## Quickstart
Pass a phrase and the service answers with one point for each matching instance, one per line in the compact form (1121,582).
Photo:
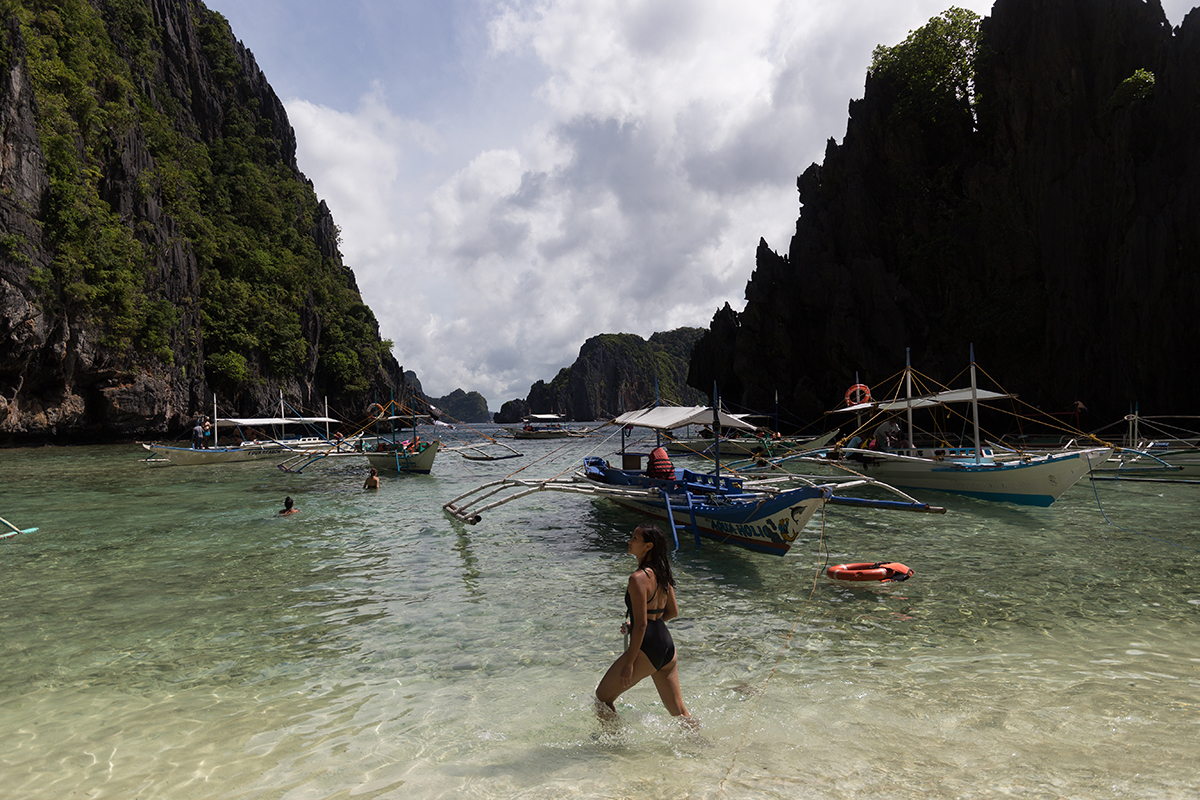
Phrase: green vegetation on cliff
(462,406)
(618,372)
(84,100)
(934,68)
(267,291)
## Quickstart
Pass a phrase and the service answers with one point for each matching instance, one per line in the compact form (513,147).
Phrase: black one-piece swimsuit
(656,643)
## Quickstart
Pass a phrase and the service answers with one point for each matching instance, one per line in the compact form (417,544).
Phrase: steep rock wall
(58,378)
(1058,234)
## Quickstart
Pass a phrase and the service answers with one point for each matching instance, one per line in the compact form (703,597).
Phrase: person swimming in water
(288,508)
(649,602)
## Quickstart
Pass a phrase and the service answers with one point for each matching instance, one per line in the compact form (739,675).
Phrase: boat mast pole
(908,390)
(214,420)
(717,427)
(857,414)
(975,406)
(326,417)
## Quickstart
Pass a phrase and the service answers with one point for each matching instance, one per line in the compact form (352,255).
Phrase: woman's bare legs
(666,680)
(610,687)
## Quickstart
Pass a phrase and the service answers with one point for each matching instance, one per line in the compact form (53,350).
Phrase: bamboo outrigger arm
(466,511)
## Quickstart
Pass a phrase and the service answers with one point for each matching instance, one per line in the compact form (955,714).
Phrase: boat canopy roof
(544,417)
(928,400)
(266,422)
(665,418)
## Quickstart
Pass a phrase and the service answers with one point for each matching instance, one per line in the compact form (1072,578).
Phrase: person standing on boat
(372,481)
(198,433)
(649,602)
(887,434)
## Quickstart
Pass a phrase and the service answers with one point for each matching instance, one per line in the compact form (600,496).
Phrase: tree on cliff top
(934,68)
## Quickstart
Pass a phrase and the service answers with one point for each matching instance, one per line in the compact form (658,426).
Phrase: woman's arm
(672,610)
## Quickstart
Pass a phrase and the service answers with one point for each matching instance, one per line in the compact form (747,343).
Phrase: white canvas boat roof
(266,422)
(665,418)
(544,417)
(928,400)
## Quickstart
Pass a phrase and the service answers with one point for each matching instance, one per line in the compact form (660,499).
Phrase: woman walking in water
(649,602)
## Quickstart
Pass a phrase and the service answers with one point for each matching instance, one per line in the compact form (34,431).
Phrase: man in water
(288,508)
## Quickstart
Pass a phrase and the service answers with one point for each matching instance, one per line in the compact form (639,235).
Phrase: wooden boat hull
(401,462)
(517,433)
(1169,464)
(186,456)
(745,447)
(717,511)
(1037,481)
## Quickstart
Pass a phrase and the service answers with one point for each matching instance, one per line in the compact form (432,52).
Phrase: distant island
(615,372)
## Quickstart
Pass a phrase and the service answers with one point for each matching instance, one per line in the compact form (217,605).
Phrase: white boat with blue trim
(974,471)
(260,438)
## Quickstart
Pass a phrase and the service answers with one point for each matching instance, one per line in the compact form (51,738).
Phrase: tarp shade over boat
(544,418)
(665,418)
(266,422)
(928,400)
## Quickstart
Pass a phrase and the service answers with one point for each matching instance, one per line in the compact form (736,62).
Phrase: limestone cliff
(158,243)
(615,372)
(1054,224)
(461,406)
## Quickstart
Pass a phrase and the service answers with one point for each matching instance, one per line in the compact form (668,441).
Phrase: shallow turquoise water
(164,635)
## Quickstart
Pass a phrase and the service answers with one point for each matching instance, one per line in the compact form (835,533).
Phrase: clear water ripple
(165,635)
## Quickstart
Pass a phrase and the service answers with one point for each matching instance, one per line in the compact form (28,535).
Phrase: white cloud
(625,191)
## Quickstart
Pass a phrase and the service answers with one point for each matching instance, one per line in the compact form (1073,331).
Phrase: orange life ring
(879,571)
(858,393)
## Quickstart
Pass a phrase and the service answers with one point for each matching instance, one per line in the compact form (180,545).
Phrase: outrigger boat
(975,471)
(1154,449)
(746,445)
(481,451)
(410,456)
(248,449)
(544,426)
(391,454)
(762,516)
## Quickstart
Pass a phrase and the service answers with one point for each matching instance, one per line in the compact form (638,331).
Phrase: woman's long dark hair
(656,560)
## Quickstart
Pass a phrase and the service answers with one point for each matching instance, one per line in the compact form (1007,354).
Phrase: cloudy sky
(512,177)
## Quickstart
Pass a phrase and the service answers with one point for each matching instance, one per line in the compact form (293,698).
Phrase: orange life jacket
(660,465)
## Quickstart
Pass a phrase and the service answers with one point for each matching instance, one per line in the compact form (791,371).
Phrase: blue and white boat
(764,516)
